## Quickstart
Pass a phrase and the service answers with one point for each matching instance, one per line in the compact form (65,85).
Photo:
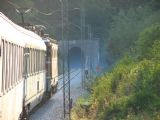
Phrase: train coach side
(51,65)
(34,72)
(22,70)
(11,70)
(23,78)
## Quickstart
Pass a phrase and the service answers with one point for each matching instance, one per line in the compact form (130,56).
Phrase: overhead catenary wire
(47,14)
(70,80)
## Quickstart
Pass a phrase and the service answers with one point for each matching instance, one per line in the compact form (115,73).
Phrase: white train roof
(18,35)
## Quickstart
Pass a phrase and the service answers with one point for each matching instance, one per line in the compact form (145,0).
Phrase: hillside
(131,89)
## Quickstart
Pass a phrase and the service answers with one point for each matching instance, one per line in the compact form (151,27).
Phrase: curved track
(53,108)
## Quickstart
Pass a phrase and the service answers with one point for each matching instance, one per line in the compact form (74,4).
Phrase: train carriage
(51,65)
(28,69)
(11,70)
(34,72)
(22,69)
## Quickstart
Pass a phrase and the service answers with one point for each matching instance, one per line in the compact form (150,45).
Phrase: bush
(148,40)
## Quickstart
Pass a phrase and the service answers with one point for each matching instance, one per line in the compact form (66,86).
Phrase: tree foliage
(148,43)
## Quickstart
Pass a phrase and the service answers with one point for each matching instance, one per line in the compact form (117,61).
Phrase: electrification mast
(67,102)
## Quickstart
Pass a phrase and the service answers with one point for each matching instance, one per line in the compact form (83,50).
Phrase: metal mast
(63,59)
(66,79)
(83,41)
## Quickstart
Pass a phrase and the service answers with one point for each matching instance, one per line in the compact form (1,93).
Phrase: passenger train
(28,69)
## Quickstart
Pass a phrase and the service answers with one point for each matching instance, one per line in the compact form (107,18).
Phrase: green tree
(148,42)
(125,30)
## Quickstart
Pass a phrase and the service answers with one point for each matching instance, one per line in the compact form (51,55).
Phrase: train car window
(34,61)
(19,59)
(2,50)
(31,57)
(20,62)
(53,52)
(44,60)
(30,62)
(10,67)
(27,59)
(56,53)
(40,60)
(14,64)
(22,67)
(37,86)
(17,64)
(11,64)
(7,65)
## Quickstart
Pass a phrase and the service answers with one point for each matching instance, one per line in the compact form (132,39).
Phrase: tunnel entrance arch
(88,48)
(75,57)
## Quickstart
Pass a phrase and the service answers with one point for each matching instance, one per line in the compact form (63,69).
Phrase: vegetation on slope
(131,90)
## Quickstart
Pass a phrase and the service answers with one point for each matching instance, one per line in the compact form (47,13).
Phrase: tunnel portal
(75,57)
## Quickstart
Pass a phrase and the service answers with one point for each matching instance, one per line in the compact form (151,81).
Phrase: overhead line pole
(83,42)
(67,87)
(81,23)
(69,82)
(63,58)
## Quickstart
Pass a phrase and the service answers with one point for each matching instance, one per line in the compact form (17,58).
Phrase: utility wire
(68,80)
(43,13)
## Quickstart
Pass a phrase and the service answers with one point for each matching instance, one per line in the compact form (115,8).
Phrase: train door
(48,68)
(25,70)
